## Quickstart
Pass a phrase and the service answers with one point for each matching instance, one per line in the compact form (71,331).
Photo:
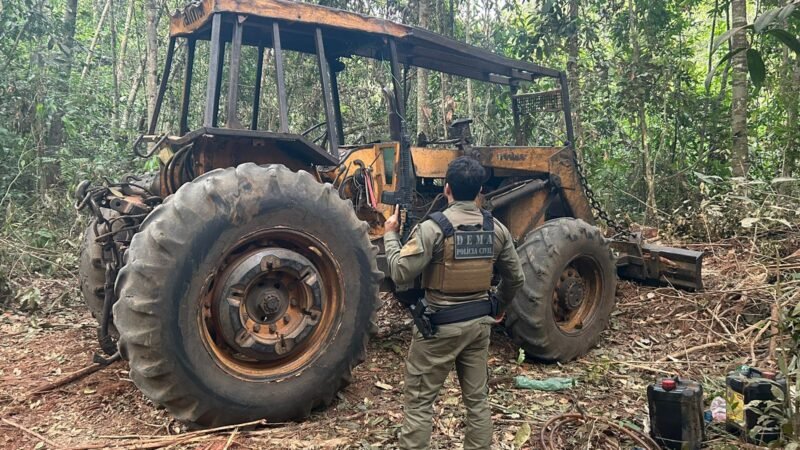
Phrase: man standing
(455,251)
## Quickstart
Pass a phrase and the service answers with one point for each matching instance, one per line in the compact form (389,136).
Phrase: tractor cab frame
(332,35)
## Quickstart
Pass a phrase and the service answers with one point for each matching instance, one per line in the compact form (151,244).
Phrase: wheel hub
(570,290)
(270,302)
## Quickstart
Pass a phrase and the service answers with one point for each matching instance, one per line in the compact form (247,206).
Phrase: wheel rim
(273,304)
(577,294)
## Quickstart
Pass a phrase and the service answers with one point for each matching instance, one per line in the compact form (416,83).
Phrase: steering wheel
(322,138)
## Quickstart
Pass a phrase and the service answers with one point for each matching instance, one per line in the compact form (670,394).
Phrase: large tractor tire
(91,272)
(569,291)
(247,294)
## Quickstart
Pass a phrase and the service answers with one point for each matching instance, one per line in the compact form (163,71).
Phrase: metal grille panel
(549,101)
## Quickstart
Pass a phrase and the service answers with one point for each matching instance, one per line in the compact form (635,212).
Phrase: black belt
(462,313)
(427,321)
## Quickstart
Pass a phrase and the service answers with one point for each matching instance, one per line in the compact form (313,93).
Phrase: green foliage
(769,23)
(65,116)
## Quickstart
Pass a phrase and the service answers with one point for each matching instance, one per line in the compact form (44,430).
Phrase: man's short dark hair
(465,176)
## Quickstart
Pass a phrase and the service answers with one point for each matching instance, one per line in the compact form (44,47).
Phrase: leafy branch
(775,23)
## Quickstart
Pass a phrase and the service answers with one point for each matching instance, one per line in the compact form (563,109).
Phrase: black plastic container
(676,413)
(750,385)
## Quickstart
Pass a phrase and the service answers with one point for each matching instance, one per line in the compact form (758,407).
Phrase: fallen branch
(753,342)
(774,319)
(691,350)
(230,439)
(71,378)
(30,432)
(163,441)
(645,368)
(708,345)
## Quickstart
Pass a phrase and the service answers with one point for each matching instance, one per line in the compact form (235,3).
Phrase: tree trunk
(467,26)
(132,93)
(739,152)
(447,104)
(96,37)
(649,177)
(114,78)
(423,110)
(573,76)
(792,95)
(55,134)
(152,15)
(123,45)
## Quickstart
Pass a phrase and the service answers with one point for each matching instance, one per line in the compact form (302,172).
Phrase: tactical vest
(466,264)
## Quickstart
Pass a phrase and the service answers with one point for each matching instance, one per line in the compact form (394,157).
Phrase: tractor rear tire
(569,291)
(91,272)
(227,225)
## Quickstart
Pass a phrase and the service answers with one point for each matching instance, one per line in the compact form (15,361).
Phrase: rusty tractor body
(241,281)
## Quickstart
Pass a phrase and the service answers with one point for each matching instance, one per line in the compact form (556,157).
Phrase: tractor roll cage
(329,34)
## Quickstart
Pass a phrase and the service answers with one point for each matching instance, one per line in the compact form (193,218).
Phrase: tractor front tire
(247,294)
(92,272)
(569,291)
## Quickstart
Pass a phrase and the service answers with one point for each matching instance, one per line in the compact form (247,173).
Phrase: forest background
(685,110)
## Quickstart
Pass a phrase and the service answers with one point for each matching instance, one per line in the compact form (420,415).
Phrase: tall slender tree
(573,73)
(739,150)
(423,109)
(55,135)
(641,110)
(152,15)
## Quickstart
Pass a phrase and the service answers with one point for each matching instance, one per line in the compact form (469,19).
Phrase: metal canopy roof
(348,34)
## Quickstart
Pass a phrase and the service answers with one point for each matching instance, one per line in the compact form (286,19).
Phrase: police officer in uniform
(455,252)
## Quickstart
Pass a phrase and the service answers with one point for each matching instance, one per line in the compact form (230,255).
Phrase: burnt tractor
(241,281)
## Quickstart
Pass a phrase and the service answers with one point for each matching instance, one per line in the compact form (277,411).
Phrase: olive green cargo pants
(429,362)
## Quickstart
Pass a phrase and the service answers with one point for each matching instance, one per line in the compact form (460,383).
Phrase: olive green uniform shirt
(426,242)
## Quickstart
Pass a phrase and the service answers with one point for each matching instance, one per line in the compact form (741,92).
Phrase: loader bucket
(654,264)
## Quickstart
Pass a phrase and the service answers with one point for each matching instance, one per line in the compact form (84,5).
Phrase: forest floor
(653,331)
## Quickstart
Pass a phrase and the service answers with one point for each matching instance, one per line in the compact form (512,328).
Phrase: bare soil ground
(653,331)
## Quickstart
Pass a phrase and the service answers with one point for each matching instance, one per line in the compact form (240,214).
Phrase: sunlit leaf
(765,19)
(522,436)
(748,222)
(727,35)
(787,11)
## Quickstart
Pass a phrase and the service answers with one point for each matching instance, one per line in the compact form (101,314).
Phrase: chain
(621,229)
